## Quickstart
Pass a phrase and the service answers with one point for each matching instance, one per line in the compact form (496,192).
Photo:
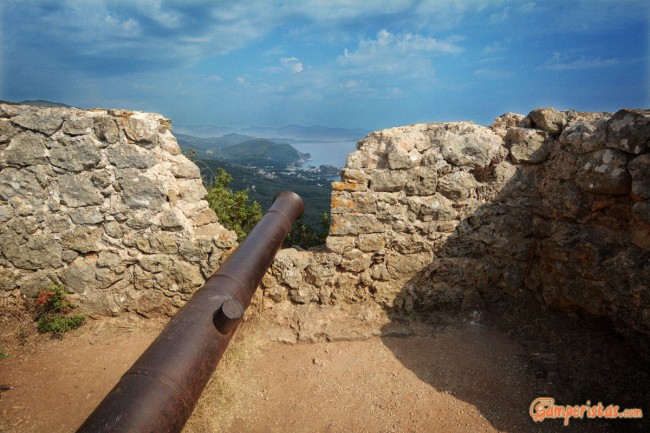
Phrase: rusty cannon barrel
(158,393)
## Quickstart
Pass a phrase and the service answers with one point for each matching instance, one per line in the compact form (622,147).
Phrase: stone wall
(442,217)
(104,202)
(448,216)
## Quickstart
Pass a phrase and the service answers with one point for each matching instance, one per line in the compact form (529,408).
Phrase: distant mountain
(244,150)
(202,131)
(37,103)
(210,144)
(261,152)
(307,133)
(289,133)
(234,138)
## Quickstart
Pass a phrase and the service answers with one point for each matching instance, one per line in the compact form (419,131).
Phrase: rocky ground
(458,377)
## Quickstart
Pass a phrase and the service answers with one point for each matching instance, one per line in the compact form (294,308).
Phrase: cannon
(158,393)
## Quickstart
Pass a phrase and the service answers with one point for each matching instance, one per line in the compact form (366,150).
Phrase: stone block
(349,186)
(398,158)
(7,130)
(421,181)
(76,154)
(141,128)
(25,149)
(604,171)
(548,119)
(406,266)
(628,130)
(371,242)
(31,284)
(126,155)
(78,191)
(527,145)
(642,210)
(35,252)
(339,244)
(387,181)
(469,145)
(141,192)
(78,123)
(86,215)
(83,239)
(639,169)
(358,176)
(108,259)
(106,129)
(354,224)
(186,170)
(356,261)
(79,276)
(456,185)
(44,120)
(163,242)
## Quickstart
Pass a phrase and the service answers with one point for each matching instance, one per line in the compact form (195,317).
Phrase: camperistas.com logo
(543,408)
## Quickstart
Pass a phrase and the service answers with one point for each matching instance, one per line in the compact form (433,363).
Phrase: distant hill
(307,133)
(234,138)
(37,103)
(289,133)
(210,145)
(261,152)
(244,150)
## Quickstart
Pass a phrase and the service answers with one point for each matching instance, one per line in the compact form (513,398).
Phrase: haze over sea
(326,153)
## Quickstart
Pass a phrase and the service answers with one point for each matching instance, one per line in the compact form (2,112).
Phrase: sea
(333,153)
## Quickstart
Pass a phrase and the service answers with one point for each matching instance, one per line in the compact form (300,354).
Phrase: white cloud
(561,63)
(396,56)
(528,7)
(291,64)
(493,73)
(492,48)
(215,78)
(129,25)
(387,48)
(351,85)
(500,16)
(406,43)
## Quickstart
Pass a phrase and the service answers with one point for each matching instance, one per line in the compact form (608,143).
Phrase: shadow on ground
(536,276)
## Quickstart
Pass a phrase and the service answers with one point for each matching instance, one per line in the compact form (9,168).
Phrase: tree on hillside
(303,236)
(232,208)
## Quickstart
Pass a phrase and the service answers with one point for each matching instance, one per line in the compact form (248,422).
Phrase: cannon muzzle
(158,393)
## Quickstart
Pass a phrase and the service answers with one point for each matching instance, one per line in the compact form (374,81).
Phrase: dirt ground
(454,378)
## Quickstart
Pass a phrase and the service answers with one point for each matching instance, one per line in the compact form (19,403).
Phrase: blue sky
(341,63)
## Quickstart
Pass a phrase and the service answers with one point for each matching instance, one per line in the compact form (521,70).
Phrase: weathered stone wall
(104,202)
(426,217)
(446,216)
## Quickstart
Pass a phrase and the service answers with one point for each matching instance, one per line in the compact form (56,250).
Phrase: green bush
(303,236)
(232,208)
(53,312)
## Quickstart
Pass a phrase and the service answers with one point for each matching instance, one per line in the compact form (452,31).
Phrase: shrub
(232,208)
(303,236)
(53,312)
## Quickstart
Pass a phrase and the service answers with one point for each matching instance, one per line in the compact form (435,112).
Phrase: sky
(339,63)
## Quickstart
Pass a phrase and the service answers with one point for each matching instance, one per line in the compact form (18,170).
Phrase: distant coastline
(326,153)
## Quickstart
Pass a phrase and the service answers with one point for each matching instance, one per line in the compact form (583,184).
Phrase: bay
(326,152)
